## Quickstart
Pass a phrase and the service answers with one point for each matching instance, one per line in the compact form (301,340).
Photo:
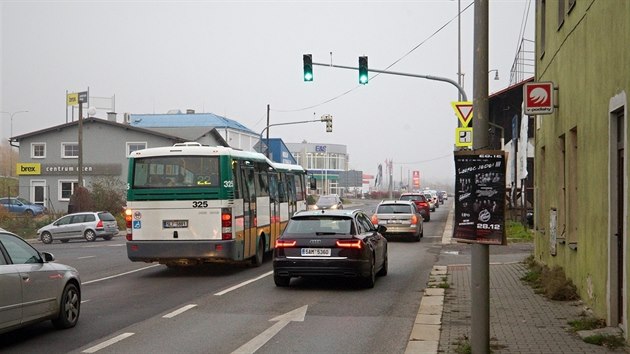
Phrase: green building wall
(588,60)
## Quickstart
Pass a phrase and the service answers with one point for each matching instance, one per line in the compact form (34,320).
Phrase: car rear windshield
(413,197)
(393,209)
(318,225)
(106,217)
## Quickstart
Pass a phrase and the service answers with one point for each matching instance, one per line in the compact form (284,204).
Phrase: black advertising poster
(480,197)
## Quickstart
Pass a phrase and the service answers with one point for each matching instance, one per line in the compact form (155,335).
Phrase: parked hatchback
(34,288)
(400,217)
(87,225)
(21,206)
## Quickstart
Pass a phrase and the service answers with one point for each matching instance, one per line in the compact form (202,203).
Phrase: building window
(572,186)
(560,13)
(131,147)
(38,150)
(66,188)
(561,190)
(69,150)
(543,20)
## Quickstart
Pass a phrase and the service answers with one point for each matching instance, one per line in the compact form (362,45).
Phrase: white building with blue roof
(205,128)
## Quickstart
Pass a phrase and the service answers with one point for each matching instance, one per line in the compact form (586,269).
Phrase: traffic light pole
(428,77)
(276,124)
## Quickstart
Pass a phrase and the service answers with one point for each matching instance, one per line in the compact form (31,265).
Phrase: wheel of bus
(257,260)
(90,235)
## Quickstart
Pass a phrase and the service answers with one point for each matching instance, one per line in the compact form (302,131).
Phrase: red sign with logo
(416,179)
(538,98)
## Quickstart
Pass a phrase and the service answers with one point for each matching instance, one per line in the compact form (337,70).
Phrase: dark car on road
(34,288)
(330,201)
(422,204)
(330,243)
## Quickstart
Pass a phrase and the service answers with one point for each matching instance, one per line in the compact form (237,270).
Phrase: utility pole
(267,153)
(480,260)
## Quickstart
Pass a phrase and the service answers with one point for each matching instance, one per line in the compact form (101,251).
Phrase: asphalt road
(146,308)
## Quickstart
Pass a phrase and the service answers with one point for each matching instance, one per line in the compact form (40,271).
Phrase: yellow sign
(463,137)
(464,111)
(72,99)
(22,169)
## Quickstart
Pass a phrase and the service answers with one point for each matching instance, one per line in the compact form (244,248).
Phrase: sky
(233,58)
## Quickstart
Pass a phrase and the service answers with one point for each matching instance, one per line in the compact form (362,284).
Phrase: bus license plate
(315,252)
(174,224)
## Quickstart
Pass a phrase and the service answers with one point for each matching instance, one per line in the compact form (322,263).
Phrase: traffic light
(329,124)
(308,67)
(363,70)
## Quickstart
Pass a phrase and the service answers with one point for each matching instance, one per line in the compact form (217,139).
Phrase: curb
(425,334)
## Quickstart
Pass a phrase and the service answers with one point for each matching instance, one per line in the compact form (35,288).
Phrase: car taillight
(285,243)
(128,225)
(374,219)
(414,219)
(226,224)
(99,224)
(358,244)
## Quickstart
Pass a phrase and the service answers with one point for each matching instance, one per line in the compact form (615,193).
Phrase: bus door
(249,210)
(291,194)
(274,206)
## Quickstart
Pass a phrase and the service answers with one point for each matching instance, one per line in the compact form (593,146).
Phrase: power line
(392,64)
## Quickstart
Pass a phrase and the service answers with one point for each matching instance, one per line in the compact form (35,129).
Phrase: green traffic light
(308,67)
(363,70)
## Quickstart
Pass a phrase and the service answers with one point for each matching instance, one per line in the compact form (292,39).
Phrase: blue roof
(185,120)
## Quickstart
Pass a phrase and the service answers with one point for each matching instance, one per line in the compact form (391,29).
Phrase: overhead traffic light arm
(428,77)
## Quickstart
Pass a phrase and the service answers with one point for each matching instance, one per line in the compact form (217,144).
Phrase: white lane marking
(107,343)
(86,257)
(243,284)
(177,312)
(84,301)
(118,275)
(119,245)
(253,345)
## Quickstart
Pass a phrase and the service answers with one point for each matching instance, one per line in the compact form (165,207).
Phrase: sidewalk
(520,320)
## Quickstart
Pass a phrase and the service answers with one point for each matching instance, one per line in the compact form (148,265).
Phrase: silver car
(400,217)
(87,225)
(33,288)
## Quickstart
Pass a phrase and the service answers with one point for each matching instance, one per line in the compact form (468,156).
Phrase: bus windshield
(176,172)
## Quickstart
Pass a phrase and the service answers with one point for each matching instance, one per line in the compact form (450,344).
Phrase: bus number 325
(200,204)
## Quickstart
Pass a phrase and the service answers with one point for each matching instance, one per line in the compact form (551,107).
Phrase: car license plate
(174,224)
(394,222)
(315,252)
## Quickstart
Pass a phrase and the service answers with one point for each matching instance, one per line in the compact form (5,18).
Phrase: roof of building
(186,120)
(96,120)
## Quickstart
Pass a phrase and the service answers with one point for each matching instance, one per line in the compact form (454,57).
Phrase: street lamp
(10,137)
(496,76)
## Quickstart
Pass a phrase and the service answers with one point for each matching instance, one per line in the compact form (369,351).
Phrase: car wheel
(368,282)
(417,237)
(69,307)
(90,235)
(64,241)
(428,218)
(257,260)
(47,237)
(107,238)
(281,281)
(384,268)
(29,213)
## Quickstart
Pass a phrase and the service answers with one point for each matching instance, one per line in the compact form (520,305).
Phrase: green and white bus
(191,204)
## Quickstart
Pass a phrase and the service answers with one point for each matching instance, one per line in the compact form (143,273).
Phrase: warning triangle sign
(464,111)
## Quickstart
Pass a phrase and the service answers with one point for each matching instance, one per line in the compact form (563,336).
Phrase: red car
(421,204)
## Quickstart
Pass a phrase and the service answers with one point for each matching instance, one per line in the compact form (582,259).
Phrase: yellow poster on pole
(463,137)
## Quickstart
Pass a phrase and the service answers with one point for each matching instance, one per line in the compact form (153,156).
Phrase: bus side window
(282,194)
(251,187)
(273,187)
(238,178)
(291,188)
